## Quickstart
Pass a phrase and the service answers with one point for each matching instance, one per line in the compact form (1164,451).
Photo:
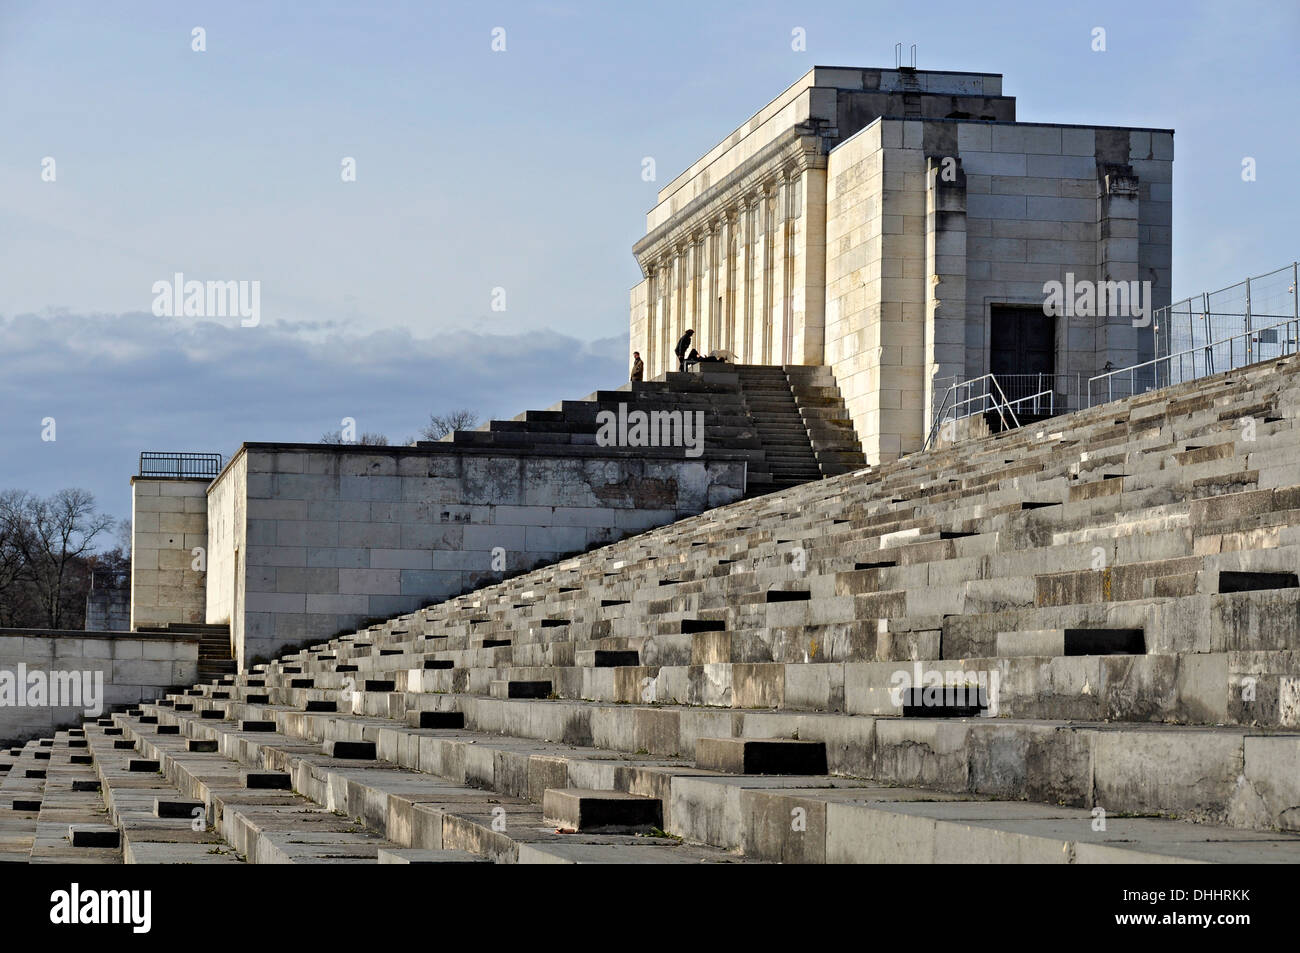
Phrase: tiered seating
(1123,579)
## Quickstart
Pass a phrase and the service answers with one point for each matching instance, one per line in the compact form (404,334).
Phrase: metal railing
(154,463)
(110,578)
(978,395)
(1248,347)
(1257,303)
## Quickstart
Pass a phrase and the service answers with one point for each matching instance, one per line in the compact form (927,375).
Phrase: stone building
(901,226)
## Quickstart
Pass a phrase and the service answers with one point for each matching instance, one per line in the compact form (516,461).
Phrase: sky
(481,255)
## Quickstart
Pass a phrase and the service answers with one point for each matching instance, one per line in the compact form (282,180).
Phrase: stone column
(728,340)
(744,278)
(945,277)
(785,340)
(1117,261)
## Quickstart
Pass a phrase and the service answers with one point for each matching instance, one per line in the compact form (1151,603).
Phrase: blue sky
(479,170)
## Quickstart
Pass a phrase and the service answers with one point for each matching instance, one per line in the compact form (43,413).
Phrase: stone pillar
(744,278)
(945,276)
(785,337)
(729,248)
(169,522)
(652,320)
(1117,261)
(767,284)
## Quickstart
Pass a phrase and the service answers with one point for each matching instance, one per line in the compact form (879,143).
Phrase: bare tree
(335,437)
(442,424)
(53,537)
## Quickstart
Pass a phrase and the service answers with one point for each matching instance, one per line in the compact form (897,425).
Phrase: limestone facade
(875,220)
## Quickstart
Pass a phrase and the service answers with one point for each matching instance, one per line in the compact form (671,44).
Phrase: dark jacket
(638,369)
(682,345)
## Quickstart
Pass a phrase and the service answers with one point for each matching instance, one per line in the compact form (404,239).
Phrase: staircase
(788,424)
(781,431)
(215,659)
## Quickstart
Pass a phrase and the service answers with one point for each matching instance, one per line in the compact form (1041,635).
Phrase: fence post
(1249,342)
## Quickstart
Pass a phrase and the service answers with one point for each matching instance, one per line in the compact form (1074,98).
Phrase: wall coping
(91,634)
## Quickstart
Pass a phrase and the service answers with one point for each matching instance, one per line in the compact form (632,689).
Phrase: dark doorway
(1022,342)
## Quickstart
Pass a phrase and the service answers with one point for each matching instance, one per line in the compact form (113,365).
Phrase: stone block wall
(309,540)
(915,264)
(169,521)
(130,667)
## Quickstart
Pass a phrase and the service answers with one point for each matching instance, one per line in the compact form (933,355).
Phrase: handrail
(986,398)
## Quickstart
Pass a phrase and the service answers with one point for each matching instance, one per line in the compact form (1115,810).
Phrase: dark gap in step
(122,744)
(202,745)
(212,714)
(615,658)
(948,701)
(955,534)
(1034,505)
(788,595)
(141,765)
(169,729)
(533,689)
(1244,581)
(1271,420)
(883,564)
(495,643)
(94,837)
(321,704)
(220,696)
(554,623)
(353,750)
(380,685)
(291,670)
(606,603)
(148,719)
(81,759)
(25,804)
(180,706)
(570,588)
(669,582)
(42,756)
(194,692)
(438,663)
(345,668)
(76,742)
(258,699)
(1113,476)
(163,808)
(302,683)
(390,651)
(35,772)
(85,784)
(689,626)
(110,732)
(442,719)
(268,781)
(1105,642)
(838,522)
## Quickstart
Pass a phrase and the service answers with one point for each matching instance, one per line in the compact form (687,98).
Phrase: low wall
(308,539)
(52,679)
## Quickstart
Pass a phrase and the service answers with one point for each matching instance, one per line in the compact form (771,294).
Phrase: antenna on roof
(913,56)
(898,55)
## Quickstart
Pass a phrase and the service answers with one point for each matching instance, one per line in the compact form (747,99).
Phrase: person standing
(682,347)
(638,366)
